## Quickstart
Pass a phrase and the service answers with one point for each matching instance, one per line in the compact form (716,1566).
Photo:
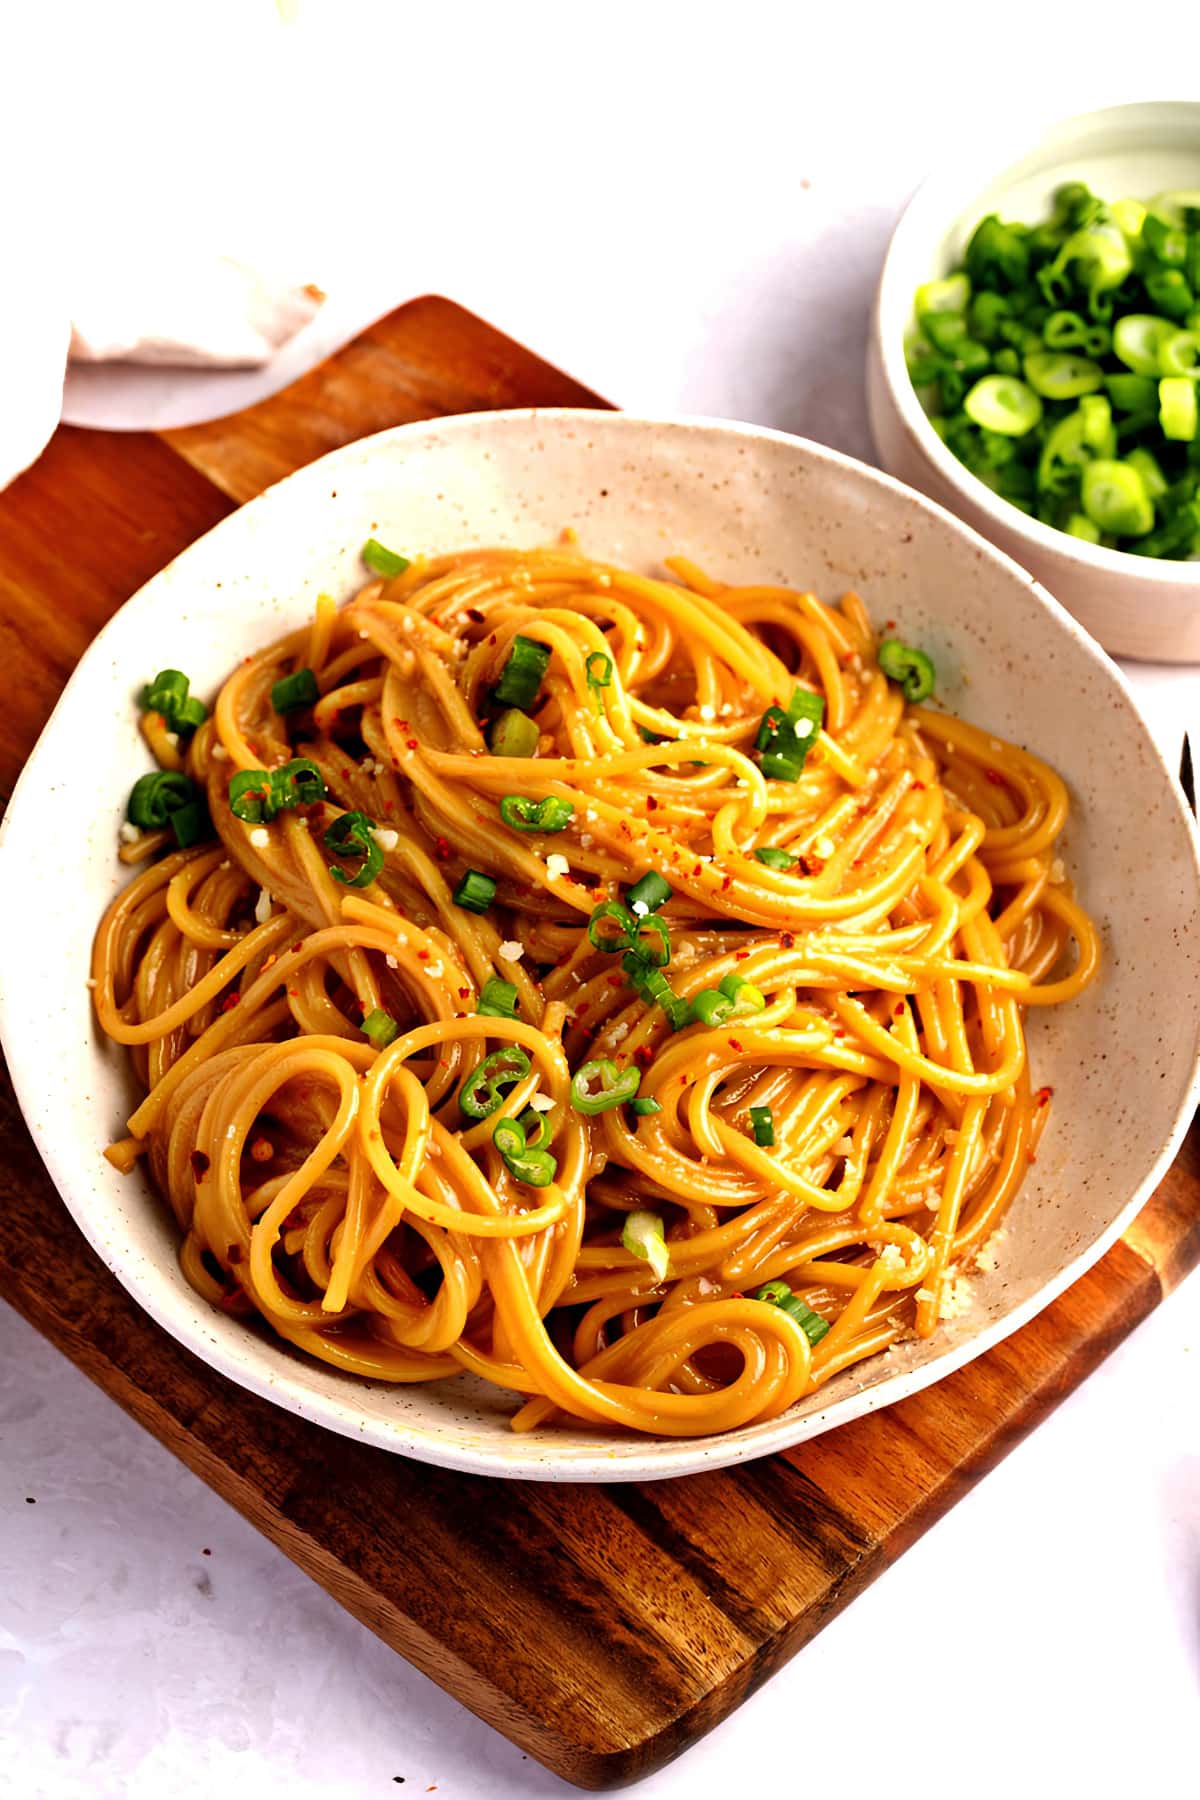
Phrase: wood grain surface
(603,1629)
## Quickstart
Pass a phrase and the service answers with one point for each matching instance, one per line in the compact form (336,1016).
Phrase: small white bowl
(751,505)
(1134,605)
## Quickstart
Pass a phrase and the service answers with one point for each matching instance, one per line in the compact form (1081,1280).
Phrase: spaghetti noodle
(608,986)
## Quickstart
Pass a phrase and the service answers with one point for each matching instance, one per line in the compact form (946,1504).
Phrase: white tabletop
(685,206)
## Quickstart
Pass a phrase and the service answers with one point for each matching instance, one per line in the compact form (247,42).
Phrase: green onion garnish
(475,891)
(908,666)
(648,894)
(642,1106)
(654,989)
(599,670)
(298,689)
(498,999)
(382,560)
(622,938)
(550,814)
(168,694)
(255,795)
(711,1007)
(481,1093)
(380,1027)
(513,734)
(643,1236)
(773,858)
(191,823)
(778,1293)
(165,797)
(535,1167)
(1097,303)
(786,734)
(349,836)
(762,1121)
(600,1085)
(522,674)
(745,996)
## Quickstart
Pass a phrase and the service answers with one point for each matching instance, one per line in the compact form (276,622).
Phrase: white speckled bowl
(749,504)
(1134,605)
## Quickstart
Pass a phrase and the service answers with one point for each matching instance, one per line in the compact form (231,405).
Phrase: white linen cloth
(158,304)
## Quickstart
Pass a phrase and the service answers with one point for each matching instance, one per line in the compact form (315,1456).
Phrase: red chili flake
(582,1007)
(298,946)
(899,1010)
(771,724)
(200,1164)
(890,624)
(839,1033)
(1043,1095)
(441,849)
(293,992)
(229,1002)
(857,863)
(422,956)
(1031,1156)
(234,1253)
(727,883)
(740,955)
(643,1056)
(787,939)
(617,981)
(234,1302)
(651,803)
(464,993)
(994,776)
(411,744)
(697,871)
(735,1043)
(918,787)
(475,616)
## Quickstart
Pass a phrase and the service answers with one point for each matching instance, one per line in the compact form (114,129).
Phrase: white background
(686,206)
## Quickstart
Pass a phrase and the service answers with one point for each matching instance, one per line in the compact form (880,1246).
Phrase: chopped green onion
(168,694)
(190,824)
(522,674)
(1136,341)
(250,795)
(475,891)
(950,295)
(534,1167)
(1177,410)
(1115,499)
(643,1236)
(773,858)
(654,989)
(1131,393)
(380,1027)
(255,795)
(383,561)
(910,667)
(1080,526)
(778,1293)
(550,814)
(352,835)
(1059,377)
(762,1121)
(1004,404)
(598,1086)
(1153,479)
(786,734)
(745,996)
(711,1007)
(156,796)
(481,1093)
(498,999)
(622,938)
(299,689)
(513,733)
(647,894)
(642,1105)
(599,670)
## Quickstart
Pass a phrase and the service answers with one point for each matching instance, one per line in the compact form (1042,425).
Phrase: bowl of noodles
(593,948)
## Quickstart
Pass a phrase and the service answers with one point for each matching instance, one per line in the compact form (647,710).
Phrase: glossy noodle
(586,1221)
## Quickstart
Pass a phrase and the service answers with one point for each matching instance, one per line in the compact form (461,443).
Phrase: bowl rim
(240,1355)
(927,209)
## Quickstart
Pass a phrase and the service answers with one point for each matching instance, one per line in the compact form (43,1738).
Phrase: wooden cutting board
(604,1629)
